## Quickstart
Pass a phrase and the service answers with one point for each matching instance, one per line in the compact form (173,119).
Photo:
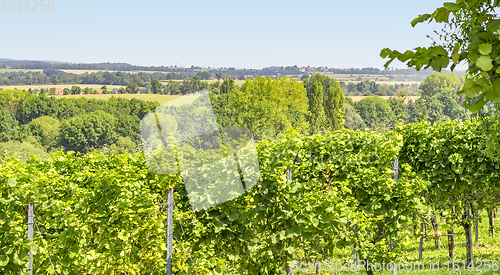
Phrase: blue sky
(241,34)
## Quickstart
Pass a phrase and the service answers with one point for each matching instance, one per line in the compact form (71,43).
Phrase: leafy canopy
(470,34)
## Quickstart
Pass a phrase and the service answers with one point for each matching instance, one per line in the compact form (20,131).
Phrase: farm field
(236,82)
(358,98)
(378,78)
(83,86)
(19,70)
(146,97)
(80,72)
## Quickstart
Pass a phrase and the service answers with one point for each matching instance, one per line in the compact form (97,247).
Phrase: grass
(236,82)
(19,70)
(79,72)
(83,86)
(146,97)
(358,98)
(378,78)
(488,249)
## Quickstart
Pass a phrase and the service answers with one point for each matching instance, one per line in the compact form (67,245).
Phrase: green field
(83,86)
(79,72)
(358,98)
(147,97)
(236,82)
(19,70)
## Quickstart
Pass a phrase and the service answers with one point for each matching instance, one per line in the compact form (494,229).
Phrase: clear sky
(241,34)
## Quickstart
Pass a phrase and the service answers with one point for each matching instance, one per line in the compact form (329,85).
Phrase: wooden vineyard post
(396,167)
(289,179)
(170,212)
(421,238)
(31,221)
(477,229)
(355,258)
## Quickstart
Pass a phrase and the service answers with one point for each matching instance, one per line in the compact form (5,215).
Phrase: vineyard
(97,214)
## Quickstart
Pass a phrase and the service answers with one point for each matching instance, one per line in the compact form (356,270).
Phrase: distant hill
(274,71)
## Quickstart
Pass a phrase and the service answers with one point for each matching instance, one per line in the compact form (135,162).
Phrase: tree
(218,76)
(437,82)
(156,87)
(89,131)
(334,106)
(304,77)
(104,89)
(46,129)
(325,81)
(76,90)
(227,86)
(132,88)
(374,110)
(172,87)
(267,107)
(8,126)
(443,105)
(470,34)
(317,117)
(204,75)
(353,120)
(88,90)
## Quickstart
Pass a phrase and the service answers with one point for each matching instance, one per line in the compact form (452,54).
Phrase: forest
(40,123)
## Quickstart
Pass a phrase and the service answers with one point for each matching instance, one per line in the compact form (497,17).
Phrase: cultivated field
(18,70)
(378,78)
(358,98)
(236,82)
(147,97)
(80,72)
(83,86)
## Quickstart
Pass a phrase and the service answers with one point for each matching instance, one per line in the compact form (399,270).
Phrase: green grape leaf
(484,62)
(421,18)
(485,48)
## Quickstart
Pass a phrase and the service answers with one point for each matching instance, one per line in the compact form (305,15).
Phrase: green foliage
(352,120)
(46,129)
(96,222)
(374,110)
(99,214)
(132,88)
(76,90)
(443,105)
(88,131)
(156,86)
(123,145)
(8,126)
(265,106)
(317,117)
(325,81)
(470,34)
(438,82)
(334,106)
(452,157)
(22,150)
(227,86)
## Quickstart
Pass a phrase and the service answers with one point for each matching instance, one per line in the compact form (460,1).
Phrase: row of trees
(56,77)
(42,124)
(438,100)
